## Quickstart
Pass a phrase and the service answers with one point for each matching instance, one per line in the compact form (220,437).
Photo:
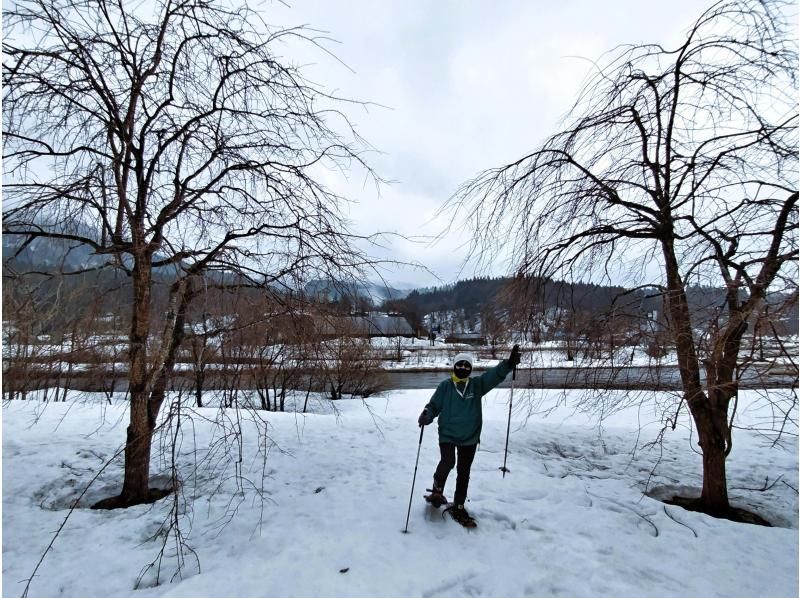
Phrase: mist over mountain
(375,294)
(45,254)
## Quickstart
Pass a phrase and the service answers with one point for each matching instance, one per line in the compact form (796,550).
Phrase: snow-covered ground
(327,515)
(419,353)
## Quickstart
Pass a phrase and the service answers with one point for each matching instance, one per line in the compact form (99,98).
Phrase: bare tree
(494,326)
(675,168)
(172,141)
(27,315)
(201,351)
(346,363)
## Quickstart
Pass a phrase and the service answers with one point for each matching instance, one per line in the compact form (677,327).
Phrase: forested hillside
(473,296)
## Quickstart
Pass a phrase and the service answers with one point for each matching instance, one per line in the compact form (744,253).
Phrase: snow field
(569,519)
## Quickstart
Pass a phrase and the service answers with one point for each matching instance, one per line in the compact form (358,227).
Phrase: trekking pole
(504,469)
(421,430)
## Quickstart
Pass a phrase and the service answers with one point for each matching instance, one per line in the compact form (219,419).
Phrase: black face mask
(462,369)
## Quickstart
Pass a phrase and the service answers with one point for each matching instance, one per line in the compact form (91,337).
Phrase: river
(641,378)
(633,378)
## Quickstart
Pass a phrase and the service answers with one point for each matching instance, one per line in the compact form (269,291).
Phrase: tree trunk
(136,482)
(199,382)
(710,417)
(146,399)
(261,389)
(712,424)
(199,345)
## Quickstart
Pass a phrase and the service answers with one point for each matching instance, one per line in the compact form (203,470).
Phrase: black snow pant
(465,456)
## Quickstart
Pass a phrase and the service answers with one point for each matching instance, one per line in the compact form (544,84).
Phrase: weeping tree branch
(674,168)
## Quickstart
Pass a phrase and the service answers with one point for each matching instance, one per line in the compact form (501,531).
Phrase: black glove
(514,358)
(423,419)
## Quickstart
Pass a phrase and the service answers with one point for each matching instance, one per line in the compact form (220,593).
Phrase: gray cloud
(468,84)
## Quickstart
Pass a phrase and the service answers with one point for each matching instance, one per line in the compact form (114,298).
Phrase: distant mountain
(332,291)
(51,255)
(48,254)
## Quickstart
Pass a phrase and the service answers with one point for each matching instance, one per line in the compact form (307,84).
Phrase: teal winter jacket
(461,417)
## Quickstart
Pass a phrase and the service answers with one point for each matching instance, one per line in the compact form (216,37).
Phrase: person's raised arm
(494,376)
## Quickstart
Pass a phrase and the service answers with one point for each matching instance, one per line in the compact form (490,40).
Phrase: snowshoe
(436,497)
(459,513)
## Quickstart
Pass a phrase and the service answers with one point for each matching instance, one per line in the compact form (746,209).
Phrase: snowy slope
(570,519)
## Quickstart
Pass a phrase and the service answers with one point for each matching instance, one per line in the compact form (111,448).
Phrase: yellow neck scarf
(456,379)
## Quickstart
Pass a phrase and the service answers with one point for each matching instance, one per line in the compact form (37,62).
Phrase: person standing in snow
(457,403)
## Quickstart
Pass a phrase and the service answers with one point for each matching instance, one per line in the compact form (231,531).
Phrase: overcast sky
(468,85)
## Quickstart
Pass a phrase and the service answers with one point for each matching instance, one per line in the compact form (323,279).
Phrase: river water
(632,378)
(642,378)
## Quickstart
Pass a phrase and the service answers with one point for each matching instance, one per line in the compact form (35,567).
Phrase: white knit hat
(463,357)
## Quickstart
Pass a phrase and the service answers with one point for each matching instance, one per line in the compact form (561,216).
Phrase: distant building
(466,338)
